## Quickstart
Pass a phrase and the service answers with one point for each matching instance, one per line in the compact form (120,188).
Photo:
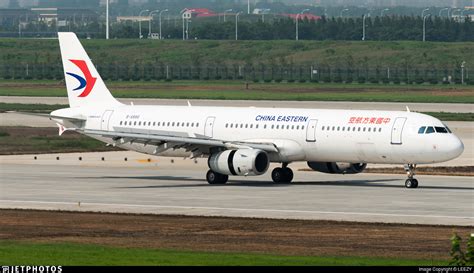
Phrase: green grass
(24,140)
(39,108)
(13,252)
(335,53)
(235,90)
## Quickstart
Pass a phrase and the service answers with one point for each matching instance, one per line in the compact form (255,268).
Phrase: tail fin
(84,84)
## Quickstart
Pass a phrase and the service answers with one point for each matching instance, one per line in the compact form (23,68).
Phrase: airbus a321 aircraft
(243,141)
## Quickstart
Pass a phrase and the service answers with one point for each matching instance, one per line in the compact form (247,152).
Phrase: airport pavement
(395,106)
(162,187)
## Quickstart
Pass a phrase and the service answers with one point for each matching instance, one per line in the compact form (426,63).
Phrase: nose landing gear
(411,182)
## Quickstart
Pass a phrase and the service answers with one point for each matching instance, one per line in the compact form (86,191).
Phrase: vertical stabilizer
(84,85)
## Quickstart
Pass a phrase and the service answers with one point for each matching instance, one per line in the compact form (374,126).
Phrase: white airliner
(243,141)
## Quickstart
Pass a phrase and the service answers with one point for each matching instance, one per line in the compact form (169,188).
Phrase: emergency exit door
(311,130)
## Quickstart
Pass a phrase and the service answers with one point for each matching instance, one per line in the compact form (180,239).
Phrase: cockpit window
(441,130)
(430,130)
(447,128)
(422,130)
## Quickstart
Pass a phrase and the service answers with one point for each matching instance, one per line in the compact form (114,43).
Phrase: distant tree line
(387,28)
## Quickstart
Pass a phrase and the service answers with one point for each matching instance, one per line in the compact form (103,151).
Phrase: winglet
(189,103)
(408,109)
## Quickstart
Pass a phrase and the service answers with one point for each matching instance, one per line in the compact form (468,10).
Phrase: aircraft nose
(456,147)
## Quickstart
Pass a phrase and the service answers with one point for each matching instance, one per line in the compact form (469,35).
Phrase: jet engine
(239,162)
(337,167)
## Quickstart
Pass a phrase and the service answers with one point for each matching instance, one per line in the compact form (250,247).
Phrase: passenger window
(187,124)
(292,127)
(273,126)
(302,127)
(120,123)
(430,130)
(168,124)
(251,126)
(380,129)
(246,126)
(441,130)
(197,124)
(364,129)
(265,126)
(358,129)
(297,127)
(338,128)
(333,128)
(322,128)
(135,123)
(278,127)
(421,130)
(369,129)
(256,126)
(287,127)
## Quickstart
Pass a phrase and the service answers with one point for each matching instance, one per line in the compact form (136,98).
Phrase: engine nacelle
(337,167)
(239,162)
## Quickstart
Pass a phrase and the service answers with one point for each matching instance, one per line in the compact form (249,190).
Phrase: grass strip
(15,252)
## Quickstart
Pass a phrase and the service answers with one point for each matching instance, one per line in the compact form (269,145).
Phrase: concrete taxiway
(163,187)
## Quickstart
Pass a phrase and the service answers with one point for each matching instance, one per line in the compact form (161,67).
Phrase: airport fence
(256,73)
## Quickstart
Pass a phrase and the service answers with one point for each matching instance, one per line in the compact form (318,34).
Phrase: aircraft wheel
(214,178)
(415,183)
(411,183)
(288,175)
(282,175)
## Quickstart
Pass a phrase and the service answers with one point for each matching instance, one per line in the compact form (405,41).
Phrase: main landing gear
(411,182)
(214,178)
(282,175)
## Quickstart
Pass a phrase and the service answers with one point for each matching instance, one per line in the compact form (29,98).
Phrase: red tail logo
(89,80)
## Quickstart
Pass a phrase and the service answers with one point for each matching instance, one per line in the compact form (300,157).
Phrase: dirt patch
(453,171)
(457,171)
(286,237)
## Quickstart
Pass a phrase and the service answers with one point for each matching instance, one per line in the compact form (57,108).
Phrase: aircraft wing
(196,145)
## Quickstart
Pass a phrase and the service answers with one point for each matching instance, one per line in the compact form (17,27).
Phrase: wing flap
(176,142)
